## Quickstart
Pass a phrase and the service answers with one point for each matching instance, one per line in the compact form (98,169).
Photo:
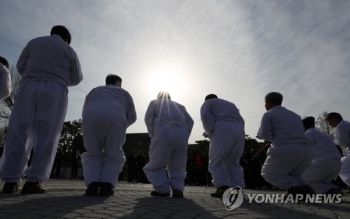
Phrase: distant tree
(322,125)
(70,131)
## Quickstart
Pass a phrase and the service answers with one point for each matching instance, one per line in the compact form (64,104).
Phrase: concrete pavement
(65,199)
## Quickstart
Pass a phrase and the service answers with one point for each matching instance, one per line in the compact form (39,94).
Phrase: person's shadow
(160,207)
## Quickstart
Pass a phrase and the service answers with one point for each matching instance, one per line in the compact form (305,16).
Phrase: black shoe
(106,189)
(33,188)
(177,193)
(10,188)
(219,192)
(155,193)
(92,189)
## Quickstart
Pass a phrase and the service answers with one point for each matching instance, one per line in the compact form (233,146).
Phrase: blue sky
(239,50)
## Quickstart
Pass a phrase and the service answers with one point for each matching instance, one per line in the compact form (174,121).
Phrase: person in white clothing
(224,125)
(326,163)
(47,65)
(342,139)
(5,79)
(290,153)
(108,111)
(169,126)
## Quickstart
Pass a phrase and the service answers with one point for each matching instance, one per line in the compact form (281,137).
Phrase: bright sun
(165,79)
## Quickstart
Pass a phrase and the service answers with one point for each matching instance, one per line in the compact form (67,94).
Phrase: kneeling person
(290,154)
(326,163)
(108,111)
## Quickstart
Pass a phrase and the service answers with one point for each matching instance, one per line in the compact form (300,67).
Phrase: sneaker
(177,193)
(155,193)
(92,189)
(106,189)
(33,188)
(219,192)
(10,187)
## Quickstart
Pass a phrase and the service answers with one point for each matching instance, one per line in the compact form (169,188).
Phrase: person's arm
(265,130)
(310,137)
(189,121)
(22,61)
(130,112)
(207,119)
(342,136)
(149,118)
(76,76)
(5,82)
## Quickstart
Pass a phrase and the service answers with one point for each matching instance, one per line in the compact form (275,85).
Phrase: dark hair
(210,96)
(274,98)
(112,79)
(63,32)
(163,95)
(309,122)
(334,115)
(4,61)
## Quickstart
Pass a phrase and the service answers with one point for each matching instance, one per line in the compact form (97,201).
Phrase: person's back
(322,144)
(49,58)
(224,111)
(168,113)
(165,113)
(283,126)
(111,98)
(342,136)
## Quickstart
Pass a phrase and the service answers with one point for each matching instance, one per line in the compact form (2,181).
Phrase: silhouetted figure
(140,164)
(75,159)
(132,167)
(48,66)
(57,165)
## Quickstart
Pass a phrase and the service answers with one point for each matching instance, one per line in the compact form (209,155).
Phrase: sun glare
(166,79)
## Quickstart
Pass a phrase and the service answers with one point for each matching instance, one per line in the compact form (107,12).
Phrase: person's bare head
(333,119)
(163,95)
(273,99)
(114,80)
(63,32)
(210,96)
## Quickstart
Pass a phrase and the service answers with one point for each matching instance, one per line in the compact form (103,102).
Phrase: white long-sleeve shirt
(342,136)
(218,110)
(49,58)
(280,126)
(162,113)
(113,98)
(5,82)
(322,144)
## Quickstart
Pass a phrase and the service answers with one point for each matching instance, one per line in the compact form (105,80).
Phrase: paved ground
(65,199)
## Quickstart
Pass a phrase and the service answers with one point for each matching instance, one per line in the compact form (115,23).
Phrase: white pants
(286,163)
(104,136)
(345,169)
(226,149)
(320,173)
(36,122)
(168,149)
